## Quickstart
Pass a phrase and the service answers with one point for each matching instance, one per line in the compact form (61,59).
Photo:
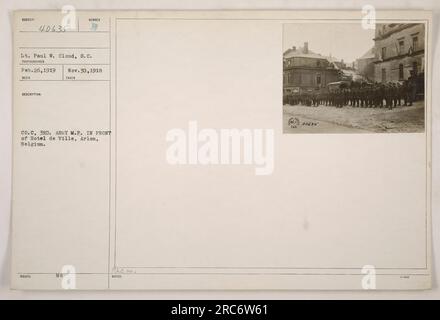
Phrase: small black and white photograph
(346,77)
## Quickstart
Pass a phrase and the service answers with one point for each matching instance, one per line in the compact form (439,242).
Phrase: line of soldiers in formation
(377,95)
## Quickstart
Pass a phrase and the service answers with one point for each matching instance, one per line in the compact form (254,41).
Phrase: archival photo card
(149,151)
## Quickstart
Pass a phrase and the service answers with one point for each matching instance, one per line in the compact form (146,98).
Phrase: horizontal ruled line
(65,64)
(64,48)
(62,80)
(64,32)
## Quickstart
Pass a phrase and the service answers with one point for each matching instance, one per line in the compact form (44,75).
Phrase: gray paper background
(5,144)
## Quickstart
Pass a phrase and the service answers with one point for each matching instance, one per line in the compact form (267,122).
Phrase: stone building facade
(305,71)
(365,65)
(399,50)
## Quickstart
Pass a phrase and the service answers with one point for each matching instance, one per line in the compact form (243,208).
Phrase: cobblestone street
(323,119)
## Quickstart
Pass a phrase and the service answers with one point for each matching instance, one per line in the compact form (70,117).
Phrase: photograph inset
(342,78)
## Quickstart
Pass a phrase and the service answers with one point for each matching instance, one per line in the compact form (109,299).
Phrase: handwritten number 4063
(51,28)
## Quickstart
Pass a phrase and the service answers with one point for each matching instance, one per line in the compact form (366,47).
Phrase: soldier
(412,88)
(389,96)
(340,98)
(369,95)
(380,95)
(350,96)
(344,97)
(404,90)
(372,96)
(316,99)
(356,97)
(392,93)
(396,94)
(401,94)
(321,98)
(376,95)
(337,97)
(307,99)
(362,96)
(365,96)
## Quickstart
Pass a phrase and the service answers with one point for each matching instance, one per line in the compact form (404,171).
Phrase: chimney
(294,48)
(306,47)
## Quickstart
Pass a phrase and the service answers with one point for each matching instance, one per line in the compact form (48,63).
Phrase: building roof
(368,55)
(299,52)
(384,30)
(305,55)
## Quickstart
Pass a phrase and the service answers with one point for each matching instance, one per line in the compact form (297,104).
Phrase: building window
(400,71)
(415,43)
(384,76)
(318,63)
(384,52)
(415,68)
(401,46)
(318,79)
